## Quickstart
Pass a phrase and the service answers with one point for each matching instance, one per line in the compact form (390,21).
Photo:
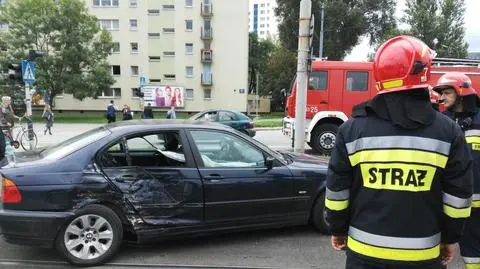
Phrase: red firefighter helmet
(402,63)
(460,82)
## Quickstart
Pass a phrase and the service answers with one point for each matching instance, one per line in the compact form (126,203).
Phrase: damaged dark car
(144,181)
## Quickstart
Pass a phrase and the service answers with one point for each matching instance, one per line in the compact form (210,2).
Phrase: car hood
(305,161)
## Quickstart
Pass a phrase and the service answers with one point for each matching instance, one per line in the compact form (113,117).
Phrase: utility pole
(256,95)
(320,48)
(302,74)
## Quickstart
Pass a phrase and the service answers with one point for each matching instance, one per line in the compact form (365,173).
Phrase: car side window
(209,116)
(162,149)
(357,81)
(226,116)
(219,149)
(318,80)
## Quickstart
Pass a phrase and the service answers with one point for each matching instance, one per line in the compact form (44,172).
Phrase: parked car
(235,119)
(145,181)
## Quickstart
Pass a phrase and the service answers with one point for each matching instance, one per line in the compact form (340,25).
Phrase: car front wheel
(318,220)
(92,237)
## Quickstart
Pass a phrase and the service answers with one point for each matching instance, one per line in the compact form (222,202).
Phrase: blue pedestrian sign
(28,72)
(143,81)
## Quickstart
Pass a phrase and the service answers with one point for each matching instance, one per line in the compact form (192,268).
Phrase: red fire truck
(336,86)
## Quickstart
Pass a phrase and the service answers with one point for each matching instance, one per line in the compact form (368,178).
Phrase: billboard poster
(164,96)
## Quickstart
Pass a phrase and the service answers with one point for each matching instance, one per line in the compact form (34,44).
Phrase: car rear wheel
(318,220)
(92,237)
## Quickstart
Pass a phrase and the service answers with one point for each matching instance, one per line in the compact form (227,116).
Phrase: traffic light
(138,92)
(33,54)
(16,75)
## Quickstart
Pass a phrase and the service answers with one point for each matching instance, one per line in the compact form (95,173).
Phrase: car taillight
(250,125)
(10,194)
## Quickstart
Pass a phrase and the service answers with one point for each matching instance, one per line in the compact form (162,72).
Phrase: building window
(155,80)
(262,25)
(153,12)
(262,11)
(169,7)
(105,3)
(262,32)
(357,81)
(189,3)
(134,47)
(153,35)
(169,53)
(112,93)
(116,70)
(189,25)
(189,71)
(169,76)
(168,30)
(133,91)
(133,3)
(133,24)
(189,94)
(188,48)
(116,47)
(109,24)
(262,5)
(134,69)
(154,58)
(207,94)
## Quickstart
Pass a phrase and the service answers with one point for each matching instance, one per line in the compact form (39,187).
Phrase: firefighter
(461,102)
(399,181)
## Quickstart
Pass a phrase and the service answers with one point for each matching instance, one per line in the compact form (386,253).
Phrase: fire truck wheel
(324,137)
(317,219)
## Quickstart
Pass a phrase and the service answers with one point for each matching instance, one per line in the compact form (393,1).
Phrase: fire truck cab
(335,87)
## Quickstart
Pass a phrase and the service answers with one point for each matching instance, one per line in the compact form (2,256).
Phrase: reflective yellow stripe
(473,139)
(472,265)
(399,155)
(336,205)
(392,84)
(393,254)
(476,204)
(456,212)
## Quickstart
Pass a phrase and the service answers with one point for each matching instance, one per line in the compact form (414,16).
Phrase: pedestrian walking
(147,112)
(399,181)
(48,116)
(111,112)
(461,102)
(171,113)
(127,113)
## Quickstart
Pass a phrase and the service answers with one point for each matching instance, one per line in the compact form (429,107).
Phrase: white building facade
(262,19)
(198,47)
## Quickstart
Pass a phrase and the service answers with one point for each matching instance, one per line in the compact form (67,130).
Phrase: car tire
(103,232)
(318,219)
(323,138)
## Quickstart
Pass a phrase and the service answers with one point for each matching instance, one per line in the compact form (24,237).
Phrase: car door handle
(213,178)
(323,102)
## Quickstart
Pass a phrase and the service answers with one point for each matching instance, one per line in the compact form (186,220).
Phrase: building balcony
(206,10)
(207,33)
(207,79)
(207,56)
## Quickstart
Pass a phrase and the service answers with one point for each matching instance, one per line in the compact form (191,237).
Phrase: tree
(279,75)
(440,24)
(345,22)
(258,53)
(75,49)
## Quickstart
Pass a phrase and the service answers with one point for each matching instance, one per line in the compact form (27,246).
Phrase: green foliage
(440,24)
(75,48)
(345,22)
(258,53)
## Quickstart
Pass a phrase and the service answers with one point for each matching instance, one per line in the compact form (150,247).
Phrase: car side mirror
(269,162)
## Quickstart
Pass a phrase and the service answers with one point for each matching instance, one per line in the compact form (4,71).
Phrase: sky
(472,36)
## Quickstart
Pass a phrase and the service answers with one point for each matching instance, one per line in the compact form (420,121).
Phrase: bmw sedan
(144,181)
(235,119)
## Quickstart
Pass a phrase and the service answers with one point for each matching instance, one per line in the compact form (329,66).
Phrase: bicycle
(22,138)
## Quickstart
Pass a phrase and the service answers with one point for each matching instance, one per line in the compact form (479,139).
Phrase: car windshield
(73,144)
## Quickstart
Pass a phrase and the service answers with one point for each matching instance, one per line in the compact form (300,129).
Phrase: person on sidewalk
(147,112)
(399,181)
(171,113)
(111,112)
(49,118)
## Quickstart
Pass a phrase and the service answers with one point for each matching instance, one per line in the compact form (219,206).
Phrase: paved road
(294,247)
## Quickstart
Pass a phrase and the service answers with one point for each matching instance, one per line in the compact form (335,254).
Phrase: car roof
(221,109)
(166,124)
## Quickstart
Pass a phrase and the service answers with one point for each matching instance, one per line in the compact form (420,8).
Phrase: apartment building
(262,19)
(195,51)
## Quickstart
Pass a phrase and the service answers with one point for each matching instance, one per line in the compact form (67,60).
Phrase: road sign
(143,81)
(28,71)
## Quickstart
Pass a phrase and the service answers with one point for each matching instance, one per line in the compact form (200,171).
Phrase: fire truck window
(357,81)
(318,81)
